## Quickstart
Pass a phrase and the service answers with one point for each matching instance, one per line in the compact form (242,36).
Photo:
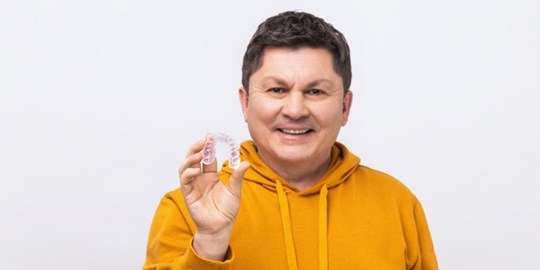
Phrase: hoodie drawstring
(323,228)
(287,229)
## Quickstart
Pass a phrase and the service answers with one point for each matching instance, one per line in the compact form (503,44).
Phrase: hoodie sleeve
(428,261)
(170,240)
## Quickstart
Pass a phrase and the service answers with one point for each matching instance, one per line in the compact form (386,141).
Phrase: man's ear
(243,96)
(347,103)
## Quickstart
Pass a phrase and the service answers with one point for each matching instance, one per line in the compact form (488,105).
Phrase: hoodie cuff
(192,261)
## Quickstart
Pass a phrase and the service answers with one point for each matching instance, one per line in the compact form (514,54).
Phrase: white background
(99,101)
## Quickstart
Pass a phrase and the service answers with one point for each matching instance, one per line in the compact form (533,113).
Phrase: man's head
(297,68)
(297,30)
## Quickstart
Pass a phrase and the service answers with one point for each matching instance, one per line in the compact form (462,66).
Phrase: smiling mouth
(295,131)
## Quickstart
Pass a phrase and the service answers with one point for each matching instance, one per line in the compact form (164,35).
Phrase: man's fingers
(196,147)
(192,161)
(191,164)
(237,176)
(193,157)
(189,175)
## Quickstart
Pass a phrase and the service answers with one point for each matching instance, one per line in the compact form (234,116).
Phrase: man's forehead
(282,51)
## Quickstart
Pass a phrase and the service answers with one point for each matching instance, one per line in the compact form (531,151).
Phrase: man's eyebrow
(281,82)
(319,82)
(274,79)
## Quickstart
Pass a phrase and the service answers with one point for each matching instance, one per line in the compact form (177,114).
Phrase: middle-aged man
(299,199)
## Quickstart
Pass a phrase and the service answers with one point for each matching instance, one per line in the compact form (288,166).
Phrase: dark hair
(294,29)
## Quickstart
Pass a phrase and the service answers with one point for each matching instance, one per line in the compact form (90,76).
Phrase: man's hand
(212,205)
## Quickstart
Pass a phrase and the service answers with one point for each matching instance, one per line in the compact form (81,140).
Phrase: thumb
(237,177)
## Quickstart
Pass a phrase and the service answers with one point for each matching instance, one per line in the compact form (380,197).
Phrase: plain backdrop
(99,101)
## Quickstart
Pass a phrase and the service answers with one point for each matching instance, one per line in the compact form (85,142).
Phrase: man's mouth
(295,131)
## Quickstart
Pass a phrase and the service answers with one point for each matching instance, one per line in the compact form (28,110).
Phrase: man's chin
(294,155)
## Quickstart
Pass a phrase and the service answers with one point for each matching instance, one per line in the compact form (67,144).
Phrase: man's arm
(427,252)
(195,225)
(171,237)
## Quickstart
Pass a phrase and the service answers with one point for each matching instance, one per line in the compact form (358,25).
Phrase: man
(299,199)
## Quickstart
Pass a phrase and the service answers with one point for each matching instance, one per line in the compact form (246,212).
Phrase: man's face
(295,106)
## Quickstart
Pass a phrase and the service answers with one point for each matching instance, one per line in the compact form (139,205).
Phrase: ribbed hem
(192,261)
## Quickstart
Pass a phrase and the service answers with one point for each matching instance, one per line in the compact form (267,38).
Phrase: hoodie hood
(342,165)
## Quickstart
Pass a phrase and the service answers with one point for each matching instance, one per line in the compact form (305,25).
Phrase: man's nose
(294,105)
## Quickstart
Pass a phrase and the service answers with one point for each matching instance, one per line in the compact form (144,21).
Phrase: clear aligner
(209,151)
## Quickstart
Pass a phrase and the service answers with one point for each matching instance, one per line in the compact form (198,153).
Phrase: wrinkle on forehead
(276,80)
(301,68)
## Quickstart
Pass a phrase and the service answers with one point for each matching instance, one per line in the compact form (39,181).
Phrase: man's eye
(314,92)
(276,90)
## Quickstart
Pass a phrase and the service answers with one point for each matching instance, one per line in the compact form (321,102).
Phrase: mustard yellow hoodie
(353,218)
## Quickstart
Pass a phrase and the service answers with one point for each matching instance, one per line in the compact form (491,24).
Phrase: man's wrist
(212,246)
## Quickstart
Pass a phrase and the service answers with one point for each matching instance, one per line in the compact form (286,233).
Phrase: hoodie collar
(342,165)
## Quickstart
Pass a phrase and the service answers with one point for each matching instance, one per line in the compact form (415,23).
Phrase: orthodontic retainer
(209,150)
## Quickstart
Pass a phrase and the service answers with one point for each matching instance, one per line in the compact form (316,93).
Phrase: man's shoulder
(173,199)
(173,194)
(379,181)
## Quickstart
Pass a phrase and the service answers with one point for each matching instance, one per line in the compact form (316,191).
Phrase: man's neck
(301,175)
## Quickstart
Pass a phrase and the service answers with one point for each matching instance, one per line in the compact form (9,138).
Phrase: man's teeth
(295,131)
